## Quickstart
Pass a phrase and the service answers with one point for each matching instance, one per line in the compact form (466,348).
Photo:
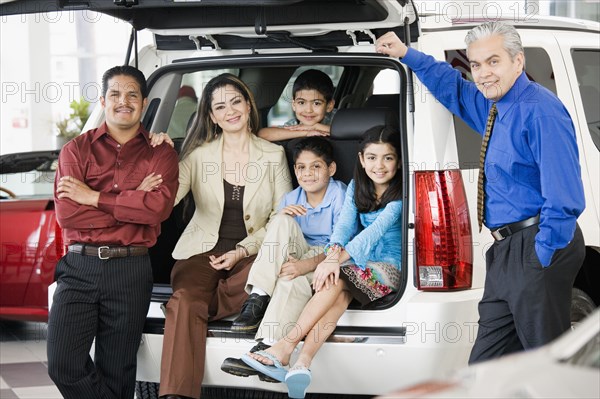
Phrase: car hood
(43,161)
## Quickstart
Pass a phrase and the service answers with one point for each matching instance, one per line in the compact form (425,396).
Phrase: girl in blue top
(362,262)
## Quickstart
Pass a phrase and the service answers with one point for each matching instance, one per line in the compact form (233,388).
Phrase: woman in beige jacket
(237,180)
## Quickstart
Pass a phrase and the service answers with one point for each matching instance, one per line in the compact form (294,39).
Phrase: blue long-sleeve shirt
(317,224)
(373,236)
(532,161)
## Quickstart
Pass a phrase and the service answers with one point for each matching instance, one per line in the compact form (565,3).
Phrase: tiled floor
(23,368)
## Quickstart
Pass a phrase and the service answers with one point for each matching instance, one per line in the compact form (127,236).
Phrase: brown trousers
(200,294)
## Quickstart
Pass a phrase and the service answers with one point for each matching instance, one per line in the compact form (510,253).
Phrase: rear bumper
(434,336)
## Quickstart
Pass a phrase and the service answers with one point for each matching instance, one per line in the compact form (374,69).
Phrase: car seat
(389,101)
(347,129)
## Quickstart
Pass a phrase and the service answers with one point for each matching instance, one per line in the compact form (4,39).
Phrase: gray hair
(512,40)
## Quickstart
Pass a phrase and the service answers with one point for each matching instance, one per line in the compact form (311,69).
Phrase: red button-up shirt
(125,216)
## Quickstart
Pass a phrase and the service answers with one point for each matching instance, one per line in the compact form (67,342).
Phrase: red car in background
(30,238)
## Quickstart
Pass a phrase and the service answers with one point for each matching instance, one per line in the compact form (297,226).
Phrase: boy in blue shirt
(313,108)
(280,279)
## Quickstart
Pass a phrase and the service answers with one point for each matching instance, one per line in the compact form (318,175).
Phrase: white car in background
(569,367)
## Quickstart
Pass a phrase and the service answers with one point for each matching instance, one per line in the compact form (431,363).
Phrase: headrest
(383,101)
(187,91)
(352,123)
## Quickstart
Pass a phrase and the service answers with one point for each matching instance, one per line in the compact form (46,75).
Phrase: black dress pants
(102,299)
(525,305)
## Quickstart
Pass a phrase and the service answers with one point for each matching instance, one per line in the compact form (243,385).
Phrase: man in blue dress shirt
(531,188)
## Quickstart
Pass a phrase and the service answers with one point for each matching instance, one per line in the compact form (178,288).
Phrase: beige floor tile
(3,384)
(38,349)
(16,352)
(44,392)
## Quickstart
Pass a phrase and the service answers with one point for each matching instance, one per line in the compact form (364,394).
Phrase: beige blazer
(267,179)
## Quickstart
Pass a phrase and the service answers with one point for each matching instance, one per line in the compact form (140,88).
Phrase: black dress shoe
(252,313)
(238,368)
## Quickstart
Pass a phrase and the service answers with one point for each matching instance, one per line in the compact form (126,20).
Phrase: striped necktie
(486,138)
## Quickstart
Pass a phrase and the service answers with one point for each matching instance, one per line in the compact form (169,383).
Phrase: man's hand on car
(391,45)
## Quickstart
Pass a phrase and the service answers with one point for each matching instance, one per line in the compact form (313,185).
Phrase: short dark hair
(317,145)
(313,79)
(126,70)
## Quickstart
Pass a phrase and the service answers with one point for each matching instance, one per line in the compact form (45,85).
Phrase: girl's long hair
(203,130)
(365,197)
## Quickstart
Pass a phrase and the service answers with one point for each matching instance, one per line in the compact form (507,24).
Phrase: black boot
(237,367)
(252,313)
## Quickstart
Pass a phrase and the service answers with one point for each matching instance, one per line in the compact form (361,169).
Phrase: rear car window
(587,69)
(190,91)
(282,111)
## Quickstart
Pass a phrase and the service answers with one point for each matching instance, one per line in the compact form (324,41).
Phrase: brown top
(232,229)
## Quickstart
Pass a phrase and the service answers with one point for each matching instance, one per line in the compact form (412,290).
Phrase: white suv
(427,329)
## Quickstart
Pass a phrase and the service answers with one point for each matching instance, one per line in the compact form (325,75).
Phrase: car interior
(361,103)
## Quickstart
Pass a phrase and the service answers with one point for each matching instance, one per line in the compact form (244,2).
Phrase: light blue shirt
(379,232)
(317,224)
(532,160)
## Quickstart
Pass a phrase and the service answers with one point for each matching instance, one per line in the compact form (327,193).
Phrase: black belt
(107,252)
(501,233)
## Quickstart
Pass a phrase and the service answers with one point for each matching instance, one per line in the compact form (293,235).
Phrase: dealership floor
(23,367)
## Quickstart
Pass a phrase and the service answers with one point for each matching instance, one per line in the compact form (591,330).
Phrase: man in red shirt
(113,189)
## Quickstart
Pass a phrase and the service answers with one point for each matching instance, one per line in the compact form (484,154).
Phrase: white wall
(45,63)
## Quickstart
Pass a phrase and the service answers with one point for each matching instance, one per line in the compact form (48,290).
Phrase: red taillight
(443,231)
